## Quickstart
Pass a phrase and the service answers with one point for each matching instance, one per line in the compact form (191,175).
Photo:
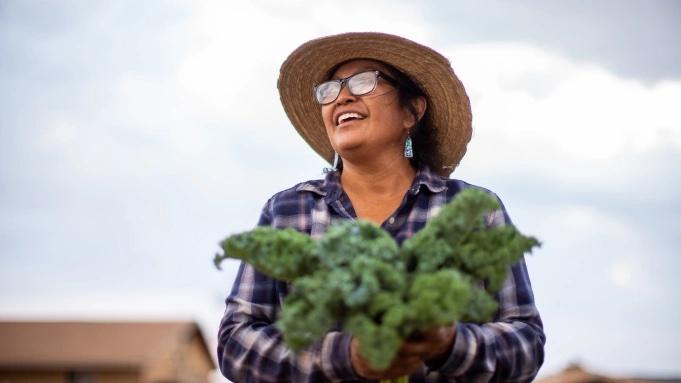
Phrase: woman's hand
(432,345)
(400,366)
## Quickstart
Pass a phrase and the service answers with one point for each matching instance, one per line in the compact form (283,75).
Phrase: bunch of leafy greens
(379,292)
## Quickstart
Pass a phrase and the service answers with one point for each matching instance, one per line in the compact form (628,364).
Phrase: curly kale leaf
(378,344)
(436,299)
(284,254)
(458,238)
(480,307)
(489,253)
(308,311)
(426,251)
(431,248)
(344,241)
(373,276)
(368,287)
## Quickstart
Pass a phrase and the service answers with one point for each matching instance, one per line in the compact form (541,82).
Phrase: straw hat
(449,110)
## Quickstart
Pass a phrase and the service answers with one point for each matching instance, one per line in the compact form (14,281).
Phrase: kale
(358,278)
(282,254)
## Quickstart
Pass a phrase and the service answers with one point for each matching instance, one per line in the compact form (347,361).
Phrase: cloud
(547,104)
(632,39)
(623,274)
(568,129)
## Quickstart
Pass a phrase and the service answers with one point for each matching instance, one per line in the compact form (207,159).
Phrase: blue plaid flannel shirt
(250,348)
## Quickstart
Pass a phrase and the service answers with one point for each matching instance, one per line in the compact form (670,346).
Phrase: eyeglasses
(358,84)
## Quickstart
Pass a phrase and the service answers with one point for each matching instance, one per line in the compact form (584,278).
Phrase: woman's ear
(416,112)
(420,106)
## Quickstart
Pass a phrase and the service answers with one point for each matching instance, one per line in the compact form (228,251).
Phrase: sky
(135,136)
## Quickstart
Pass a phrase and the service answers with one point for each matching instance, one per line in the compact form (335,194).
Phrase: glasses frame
(343,81)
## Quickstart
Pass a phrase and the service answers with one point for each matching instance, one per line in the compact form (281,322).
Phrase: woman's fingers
(399,367)
(431,343)
(415,348)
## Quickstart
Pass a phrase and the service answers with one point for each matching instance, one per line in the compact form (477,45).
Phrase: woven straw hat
(449,110)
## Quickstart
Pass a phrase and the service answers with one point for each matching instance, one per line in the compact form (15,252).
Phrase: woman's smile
(347,117)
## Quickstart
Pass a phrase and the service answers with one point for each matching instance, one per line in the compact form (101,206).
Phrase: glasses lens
(327,92)
(362,83)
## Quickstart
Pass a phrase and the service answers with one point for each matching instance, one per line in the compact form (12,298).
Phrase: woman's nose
(345,96)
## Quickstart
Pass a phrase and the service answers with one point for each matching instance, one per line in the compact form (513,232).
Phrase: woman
(394,119)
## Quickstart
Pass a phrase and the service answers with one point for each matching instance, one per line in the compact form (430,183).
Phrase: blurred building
(103,352)
(576,374)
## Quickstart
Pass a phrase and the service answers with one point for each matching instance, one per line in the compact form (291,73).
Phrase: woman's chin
(347,146)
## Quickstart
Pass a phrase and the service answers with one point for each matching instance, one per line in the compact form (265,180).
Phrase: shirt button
(391,220)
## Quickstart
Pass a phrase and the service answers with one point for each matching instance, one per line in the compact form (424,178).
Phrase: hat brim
(449,107)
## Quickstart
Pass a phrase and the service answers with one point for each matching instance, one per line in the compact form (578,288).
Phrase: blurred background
(134,136)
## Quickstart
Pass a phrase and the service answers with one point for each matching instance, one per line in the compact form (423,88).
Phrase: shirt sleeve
(251,348)
(511,347)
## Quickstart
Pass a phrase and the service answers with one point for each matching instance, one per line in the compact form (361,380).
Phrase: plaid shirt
(250,348)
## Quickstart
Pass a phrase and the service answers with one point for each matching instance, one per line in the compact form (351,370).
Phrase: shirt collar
(331,189)
(431,180)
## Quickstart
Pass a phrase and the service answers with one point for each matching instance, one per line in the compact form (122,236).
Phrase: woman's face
(379,125)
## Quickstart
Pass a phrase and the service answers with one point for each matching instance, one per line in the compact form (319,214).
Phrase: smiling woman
(395,121)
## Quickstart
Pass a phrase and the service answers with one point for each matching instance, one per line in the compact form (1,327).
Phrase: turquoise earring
(408,148)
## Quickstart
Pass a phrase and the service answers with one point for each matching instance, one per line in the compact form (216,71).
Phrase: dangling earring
(335,160)
(408,147)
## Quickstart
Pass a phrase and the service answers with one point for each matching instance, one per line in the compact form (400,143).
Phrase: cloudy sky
(135,136)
